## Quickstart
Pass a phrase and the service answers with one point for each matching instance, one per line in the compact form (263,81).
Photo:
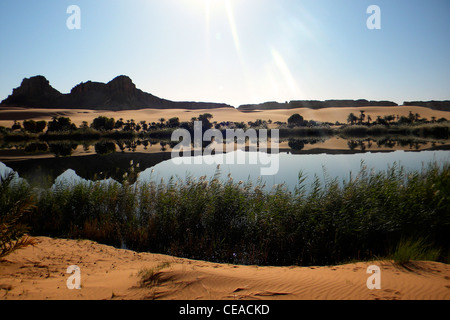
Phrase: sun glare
(279,76)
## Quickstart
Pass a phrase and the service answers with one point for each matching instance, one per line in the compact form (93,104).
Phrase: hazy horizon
(234,52)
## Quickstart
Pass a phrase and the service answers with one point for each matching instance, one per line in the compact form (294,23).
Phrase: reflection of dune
(87,167)
(222,114)
(109,273)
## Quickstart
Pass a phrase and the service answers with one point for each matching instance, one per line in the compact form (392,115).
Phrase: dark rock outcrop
(118,94)
(34,92)
(314,104)
(435,105)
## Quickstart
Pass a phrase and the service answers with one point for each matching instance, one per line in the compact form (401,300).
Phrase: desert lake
(151,161)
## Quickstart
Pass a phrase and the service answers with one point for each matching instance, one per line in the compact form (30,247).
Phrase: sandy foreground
(39,272)
(7,116)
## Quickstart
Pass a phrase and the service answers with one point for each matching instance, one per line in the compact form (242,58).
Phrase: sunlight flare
(285,71)
(233,28)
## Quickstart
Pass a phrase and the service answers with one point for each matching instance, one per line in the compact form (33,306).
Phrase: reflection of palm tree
(103,148)
(362,145)
(63,149)
(352,144)
(296,144)
(390,143)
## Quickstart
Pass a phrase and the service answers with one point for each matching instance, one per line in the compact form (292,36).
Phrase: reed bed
(240,222)
(432,130)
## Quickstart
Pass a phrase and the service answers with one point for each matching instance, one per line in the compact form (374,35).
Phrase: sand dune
(39,272)
(7,116)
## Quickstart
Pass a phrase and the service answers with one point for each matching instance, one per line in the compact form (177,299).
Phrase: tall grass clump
(93,210)
(231,221)
(16,200)
(408,250)
(354,131)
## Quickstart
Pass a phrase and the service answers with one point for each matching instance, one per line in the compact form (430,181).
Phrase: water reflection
(42,161)
(392,143)
(63,148)
(36,147)
(294,145)
(105,147)
(134,167)
(322,166)
(299,144)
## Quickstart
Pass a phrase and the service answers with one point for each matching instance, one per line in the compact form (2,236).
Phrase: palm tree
(389,118)
(351,118)
(362,116)
(416,116)
(144,125)
(119,124)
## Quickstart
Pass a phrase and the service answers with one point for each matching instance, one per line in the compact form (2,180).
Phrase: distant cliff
(118,94)
(435,105)
(34,92)
(314,104)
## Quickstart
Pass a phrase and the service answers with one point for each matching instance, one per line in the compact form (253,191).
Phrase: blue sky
(233,51)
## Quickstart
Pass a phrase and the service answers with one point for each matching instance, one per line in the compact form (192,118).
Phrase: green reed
(239,222)
(16,201)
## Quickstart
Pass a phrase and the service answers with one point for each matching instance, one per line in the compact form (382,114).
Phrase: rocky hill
(435,105)
(314,104)
(121,94)
(34,92)
(118,94)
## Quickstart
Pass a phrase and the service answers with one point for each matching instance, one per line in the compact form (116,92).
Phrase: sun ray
(235,35)
(207,28)
(233,28)
(285,72)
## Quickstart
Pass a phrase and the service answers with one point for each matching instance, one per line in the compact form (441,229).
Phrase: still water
(288,166)
(339,166)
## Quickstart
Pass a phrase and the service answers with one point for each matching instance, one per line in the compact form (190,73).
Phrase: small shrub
(152,276)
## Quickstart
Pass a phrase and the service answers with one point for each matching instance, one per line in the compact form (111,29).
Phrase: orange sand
(7,116)
(39,272)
